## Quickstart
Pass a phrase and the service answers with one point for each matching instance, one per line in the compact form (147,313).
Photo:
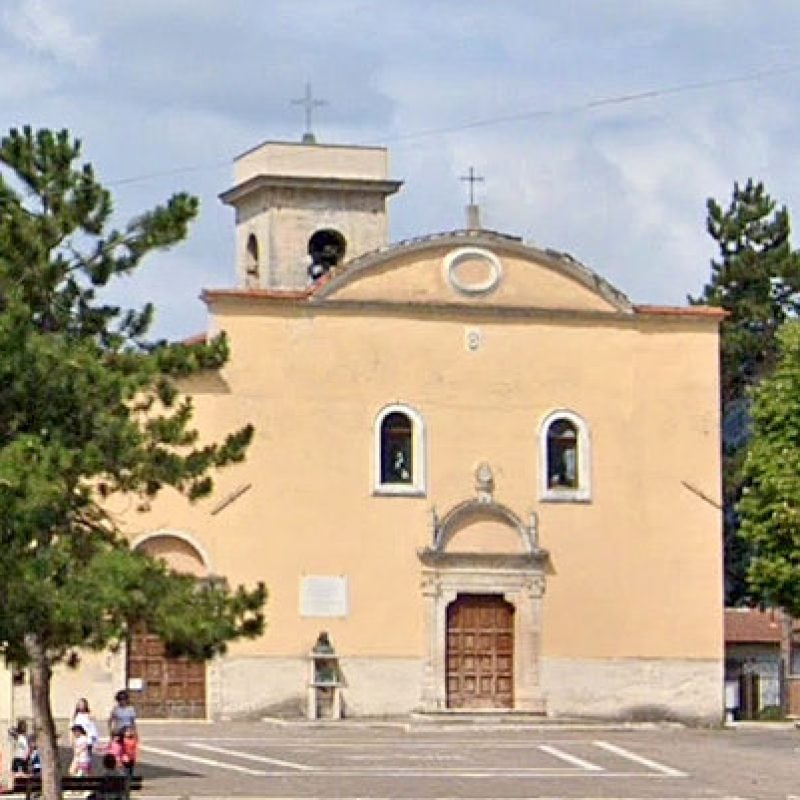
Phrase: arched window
(399,451)
(251,267)
(564,458)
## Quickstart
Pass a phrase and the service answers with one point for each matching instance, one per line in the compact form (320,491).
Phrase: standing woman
(82,716)
(19,761)
(123,715)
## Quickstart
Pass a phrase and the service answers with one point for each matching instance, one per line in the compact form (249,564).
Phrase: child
(130,749)
(110,766)
(124,748)
(81,764)
(35,760)
(82,716)
(19,760)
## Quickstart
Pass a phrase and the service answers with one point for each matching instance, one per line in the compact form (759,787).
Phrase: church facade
(482,478)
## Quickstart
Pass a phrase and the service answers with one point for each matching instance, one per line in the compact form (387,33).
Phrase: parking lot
(401,761)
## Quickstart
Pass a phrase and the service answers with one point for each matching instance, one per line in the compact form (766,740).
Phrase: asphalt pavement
(412,758)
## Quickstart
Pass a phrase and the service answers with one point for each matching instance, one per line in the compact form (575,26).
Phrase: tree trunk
(43,724)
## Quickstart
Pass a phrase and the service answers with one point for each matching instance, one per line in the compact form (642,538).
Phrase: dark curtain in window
(562,455)
(397,449)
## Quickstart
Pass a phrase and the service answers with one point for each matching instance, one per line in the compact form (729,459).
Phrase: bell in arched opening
(326,248)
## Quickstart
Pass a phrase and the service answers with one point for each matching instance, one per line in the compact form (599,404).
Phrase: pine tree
(756,279)
(770,504)
(89,407)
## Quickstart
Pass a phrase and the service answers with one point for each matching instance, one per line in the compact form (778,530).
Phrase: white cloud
(42,27)
(192,83)
(21,80)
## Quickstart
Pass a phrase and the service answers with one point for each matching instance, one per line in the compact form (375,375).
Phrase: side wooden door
(172,688)
(480,652)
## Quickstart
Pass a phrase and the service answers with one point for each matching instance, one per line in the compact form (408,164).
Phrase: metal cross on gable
(472,178)
(309,103)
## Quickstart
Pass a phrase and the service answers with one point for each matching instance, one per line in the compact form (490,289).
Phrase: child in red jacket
(125,748)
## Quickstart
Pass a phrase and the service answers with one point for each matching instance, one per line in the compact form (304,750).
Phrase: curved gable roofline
(513,245)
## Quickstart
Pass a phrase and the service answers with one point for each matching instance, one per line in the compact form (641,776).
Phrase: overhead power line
(602,102)
(589,105)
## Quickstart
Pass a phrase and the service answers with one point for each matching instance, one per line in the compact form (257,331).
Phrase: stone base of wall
(630,689)
(635,689)
(258,687)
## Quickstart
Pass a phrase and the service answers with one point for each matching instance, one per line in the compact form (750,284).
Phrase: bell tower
(304,208)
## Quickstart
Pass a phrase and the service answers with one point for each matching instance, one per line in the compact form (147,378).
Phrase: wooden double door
(480,652)
(171,688)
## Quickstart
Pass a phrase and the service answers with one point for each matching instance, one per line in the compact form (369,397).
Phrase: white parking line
(662,768)
(209,762)
(570,759)
(573,766)
(434,757)
(250,756)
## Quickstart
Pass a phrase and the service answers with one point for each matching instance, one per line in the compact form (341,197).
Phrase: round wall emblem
(472,270)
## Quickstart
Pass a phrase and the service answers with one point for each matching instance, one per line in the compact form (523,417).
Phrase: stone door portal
(480,652)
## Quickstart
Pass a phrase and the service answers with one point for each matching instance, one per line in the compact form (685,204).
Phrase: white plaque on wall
(323,596)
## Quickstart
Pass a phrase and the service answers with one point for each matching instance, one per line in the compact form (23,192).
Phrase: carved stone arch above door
(474,512)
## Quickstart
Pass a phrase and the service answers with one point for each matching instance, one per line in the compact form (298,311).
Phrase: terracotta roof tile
(752,625)
(682,311)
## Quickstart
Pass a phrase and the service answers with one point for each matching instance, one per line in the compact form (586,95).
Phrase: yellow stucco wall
(635,572)
(423,278)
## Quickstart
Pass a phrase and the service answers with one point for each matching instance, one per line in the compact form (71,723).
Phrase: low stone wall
(241,687)
(632,689)
(635,689)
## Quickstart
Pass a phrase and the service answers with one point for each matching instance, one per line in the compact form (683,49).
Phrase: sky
(600,128)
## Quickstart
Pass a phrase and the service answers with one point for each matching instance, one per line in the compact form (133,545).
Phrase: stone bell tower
(303,208)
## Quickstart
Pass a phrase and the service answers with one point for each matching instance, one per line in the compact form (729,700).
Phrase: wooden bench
(105,787)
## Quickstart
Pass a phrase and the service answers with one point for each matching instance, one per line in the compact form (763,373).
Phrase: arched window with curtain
(562,454)
(399,451)
(564,462)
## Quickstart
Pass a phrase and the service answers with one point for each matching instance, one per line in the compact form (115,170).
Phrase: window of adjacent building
(564,457)
(399,451)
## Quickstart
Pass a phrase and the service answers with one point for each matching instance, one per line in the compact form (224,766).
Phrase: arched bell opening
(326,248)
(252,264)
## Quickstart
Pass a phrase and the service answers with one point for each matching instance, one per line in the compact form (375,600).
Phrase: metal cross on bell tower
(473,211)
(309,103)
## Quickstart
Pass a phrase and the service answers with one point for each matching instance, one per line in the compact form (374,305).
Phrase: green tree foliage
(756,279)
(770,504)
(89,408)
